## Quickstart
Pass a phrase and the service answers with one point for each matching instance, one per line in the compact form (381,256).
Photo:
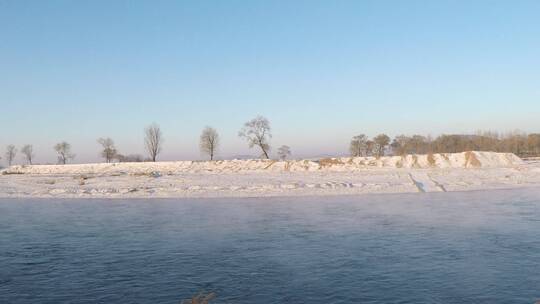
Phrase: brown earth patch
(445,156)
(431,160)
(327,162)
(399,163)
(270,164)
(471,160)
(288,166)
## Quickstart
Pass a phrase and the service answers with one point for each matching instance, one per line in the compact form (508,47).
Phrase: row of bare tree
(256,132)
(27,152)
(519,143)
(63,149)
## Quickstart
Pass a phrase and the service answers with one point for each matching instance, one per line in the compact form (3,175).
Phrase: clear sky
(320,71)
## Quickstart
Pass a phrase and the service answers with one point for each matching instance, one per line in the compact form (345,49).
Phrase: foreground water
(476,247)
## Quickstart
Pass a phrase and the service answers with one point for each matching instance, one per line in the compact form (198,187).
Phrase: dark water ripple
(477,247)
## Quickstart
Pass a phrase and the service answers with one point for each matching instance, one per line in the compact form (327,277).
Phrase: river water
(470,247)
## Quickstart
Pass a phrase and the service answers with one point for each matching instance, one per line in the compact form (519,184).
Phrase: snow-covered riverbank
(251,178)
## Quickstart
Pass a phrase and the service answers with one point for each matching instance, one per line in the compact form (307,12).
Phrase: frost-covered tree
(370,150)
(381,142)
(28,153)
(358,145)
(109,150)
(11,152)
(284,152)
(209,142)
(64,152)
(153,140)
(257,133)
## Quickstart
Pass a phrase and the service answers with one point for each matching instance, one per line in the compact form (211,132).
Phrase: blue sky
(320,71)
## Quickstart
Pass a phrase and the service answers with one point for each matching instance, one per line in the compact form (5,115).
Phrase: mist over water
(474,247)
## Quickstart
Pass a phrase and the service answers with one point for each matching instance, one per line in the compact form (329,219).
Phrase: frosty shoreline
(263,178)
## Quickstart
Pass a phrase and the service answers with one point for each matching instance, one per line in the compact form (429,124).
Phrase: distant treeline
(257,134)
(519,143)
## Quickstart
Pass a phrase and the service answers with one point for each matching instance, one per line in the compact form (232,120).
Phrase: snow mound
(342,164)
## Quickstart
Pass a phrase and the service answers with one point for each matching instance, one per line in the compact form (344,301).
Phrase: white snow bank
(344,164)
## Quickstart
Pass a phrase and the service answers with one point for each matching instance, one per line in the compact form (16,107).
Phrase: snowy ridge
(343,164)
(260,178)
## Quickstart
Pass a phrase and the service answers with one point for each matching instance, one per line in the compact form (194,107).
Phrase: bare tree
(153,140)
(209,142)
(400,144)
(28,153)
(11,152)
(381,141)
(109,150)
(533,143)
(420,144)
(257,133)
(64,152)
(416,144)
(358,145)
(284,152)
